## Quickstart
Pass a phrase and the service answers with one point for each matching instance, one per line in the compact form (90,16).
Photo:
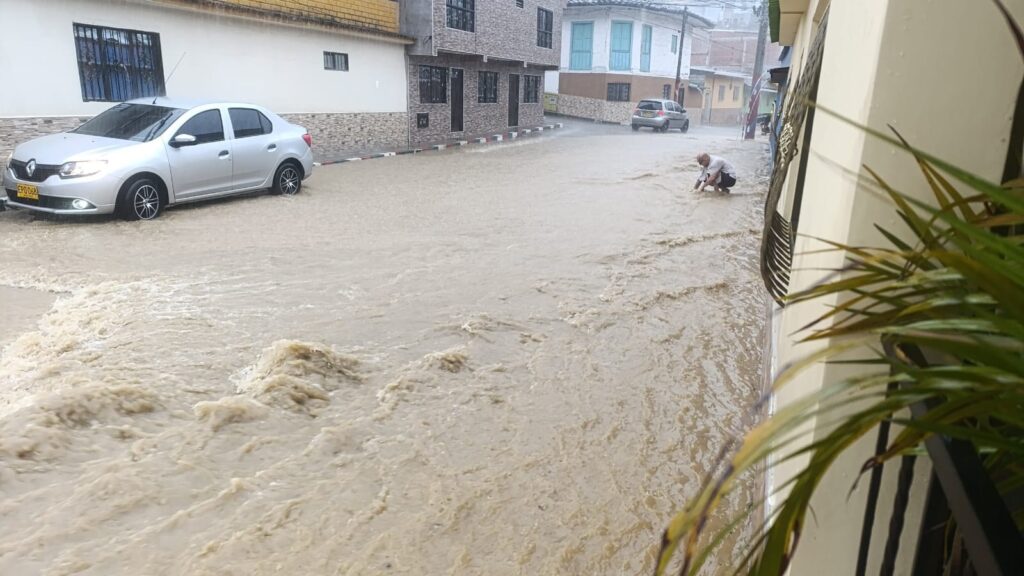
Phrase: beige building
(723,98)
(944,73)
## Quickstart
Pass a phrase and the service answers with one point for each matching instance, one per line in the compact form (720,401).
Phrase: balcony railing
(960,493)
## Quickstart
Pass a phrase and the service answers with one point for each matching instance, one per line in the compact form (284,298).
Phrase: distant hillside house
(622,51)
(477,66)
(334,66)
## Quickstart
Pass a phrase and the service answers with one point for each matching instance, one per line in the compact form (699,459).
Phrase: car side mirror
(183,140)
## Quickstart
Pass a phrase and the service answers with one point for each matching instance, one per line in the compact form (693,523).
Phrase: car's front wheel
(287,179)
(686,126)
(142,200)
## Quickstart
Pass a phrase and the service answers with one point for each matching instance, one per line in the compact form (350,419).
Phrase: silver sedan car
(141,156)
(661,115)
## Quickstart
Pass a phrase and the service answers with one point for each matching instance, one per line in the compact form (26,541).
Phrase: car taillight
(661,112)
(308,139)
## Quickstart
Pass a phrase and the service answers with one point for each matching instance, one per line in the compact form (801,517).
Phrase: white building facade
(73,58)
(623,51)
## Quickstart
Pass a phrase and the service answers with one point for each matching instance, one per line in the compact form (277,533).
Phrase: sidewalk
(482,139)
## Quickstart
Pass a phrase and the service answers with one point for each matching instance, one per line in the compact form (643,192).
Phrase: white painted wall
(663,61)
(228,58)
(551,81)
(886,62)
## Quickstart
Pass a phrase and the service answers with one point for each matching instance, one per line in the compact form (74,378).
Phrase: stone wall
(334,134)
(478,118)
(337,135)
(16,130)
(601,110)
(594,109)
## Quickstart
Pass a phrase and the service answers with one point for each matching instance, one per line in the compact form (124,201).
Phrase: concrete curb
(456,144)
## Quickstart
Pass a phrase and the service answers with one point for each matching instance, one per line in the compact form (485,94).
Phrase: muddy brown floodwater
(508,359)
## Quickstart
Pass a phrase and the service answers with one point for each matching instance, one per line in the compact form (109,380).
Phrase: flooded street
(512,359)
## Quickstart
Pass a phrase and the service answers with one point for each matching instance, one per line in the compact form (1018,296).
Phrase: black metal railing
(779,234)
(960,493)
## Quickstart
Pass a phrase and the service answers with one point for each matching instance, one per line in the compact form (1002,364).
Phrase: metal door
(253,148)
(457,100)
(513,99)
(203,166)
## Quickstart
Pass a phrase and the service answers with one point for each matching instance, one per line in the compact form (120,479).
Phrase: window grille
(433,85)
(530,89)
(545,24)
(115,64)
(461,15)
(487,89)
(335,61)
(618,92)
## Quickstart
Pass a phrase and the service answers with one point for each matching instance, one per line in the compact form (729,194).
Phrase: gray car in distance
(138,157)
(660,115)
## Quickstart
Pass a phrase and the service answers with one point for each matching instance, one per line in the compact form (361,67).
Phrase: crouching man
(715,171)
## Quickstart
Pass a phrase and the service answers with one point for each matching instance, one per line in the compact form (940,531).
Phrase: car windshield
(139,122)
(649,105)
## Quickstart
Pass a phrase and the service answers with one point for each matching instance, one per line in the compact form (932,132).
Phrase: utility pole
(755,93)
(679,57)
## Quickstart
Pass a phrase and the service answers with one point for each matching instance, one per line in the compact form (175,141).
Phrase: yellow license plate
(648,114)
(28,192)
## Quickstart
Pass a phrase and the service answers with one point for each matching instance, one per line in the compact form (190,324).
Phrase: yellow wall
(733,92)
(377,14)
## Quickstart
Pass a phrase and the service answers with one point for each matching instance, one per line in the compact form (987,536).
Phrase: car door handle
(272,147)
(223,154)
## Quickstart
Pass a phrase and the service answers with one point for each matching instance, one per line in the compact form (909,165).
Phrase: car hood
(60,148)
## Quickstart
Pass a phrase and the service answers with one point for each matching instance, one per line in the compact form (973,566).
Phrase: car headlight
(84,168)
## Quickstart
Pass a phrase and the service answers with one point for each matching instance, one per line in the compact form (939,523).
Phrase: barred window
(115,65)
(531,89)
(461,14)
(618,92)
(545,23)
(519,3)
(335,61)
(666,91)
(433,85)
(487,90)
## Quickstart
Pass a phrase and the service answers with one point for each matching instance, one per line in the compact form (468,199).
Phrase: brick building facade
(477,66)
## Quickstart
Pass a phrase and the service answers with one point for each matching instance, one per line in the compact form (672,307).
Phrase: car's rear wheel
(665,127)
(287,179)
(636,128)
(142,200)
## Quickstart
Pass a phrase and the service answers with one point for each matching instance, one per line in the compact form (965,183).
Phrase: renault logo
(30,168)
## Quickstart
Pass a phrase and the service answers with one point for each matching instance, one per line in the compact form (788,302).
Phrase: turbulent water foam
(299,375)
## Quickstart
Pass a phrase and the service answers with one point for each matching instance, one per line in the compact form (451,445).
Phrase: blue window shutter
(581,46)
(645,49)
(622,46)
